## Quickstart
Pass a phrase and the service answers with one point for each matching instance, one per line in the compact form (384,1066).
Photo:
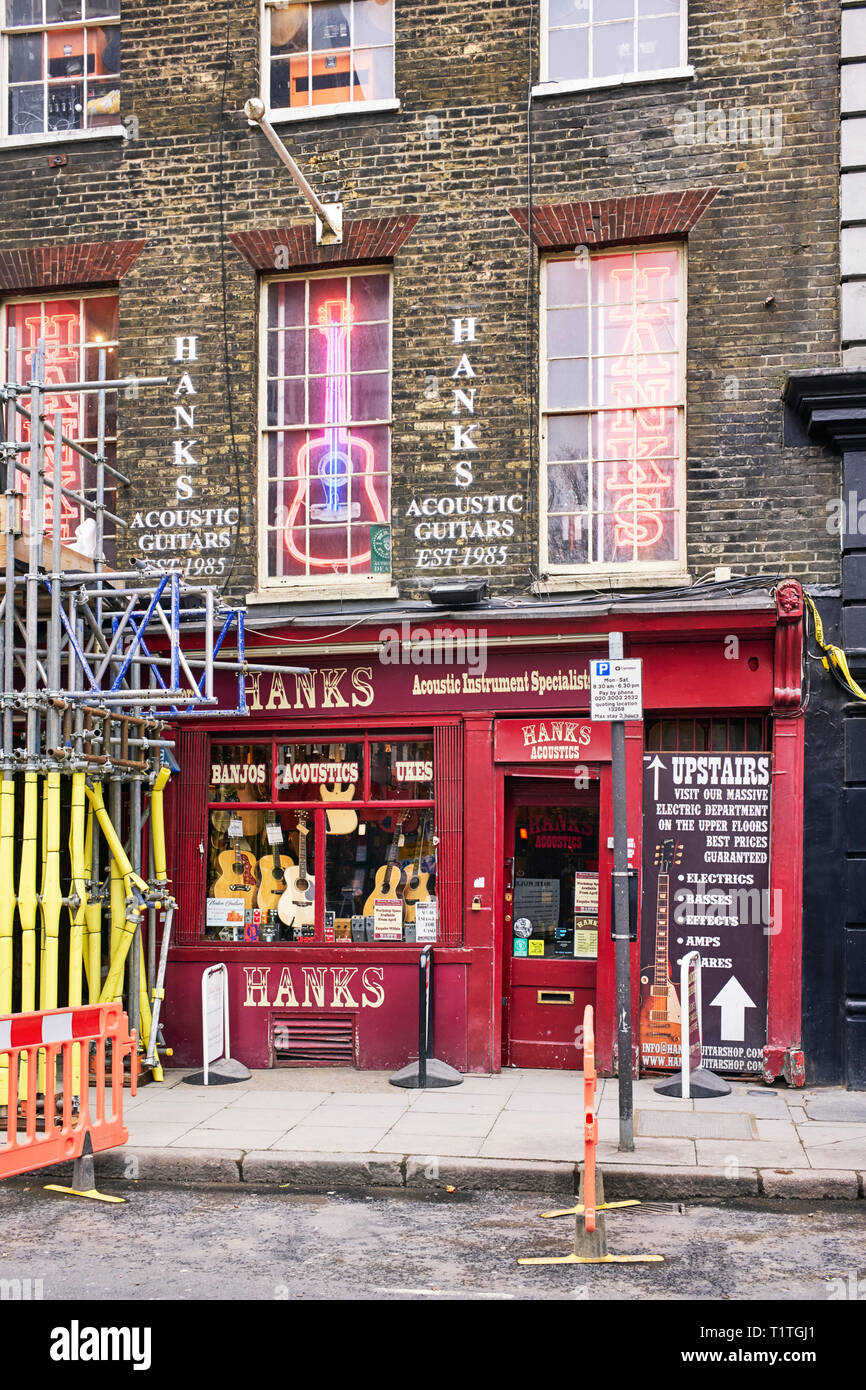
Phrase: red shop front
(443,782)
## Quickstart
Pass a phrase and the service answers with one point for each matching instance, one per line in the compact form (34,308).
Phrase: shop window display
(281,814)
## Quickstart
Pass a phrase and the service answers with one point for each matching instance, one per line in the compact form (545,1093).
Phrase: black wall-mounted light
(459,593)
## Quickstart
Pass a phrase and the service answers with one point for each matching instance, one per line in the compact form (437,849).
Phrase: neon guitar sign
(637,481)
(333,459)
(60,333)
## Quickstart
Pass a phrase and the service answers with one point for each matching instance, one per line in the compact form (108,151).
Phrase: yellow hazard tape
(834,659)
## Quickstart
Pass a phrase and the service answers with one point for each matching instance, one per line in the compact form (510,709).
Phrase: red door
(556,903)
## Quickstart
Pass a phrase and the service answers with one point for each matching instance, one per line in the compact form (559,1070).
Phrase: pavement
(516,1130)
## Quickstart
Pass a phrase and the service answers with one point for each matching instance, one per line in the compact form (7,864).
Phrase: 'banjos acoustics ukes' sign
(706,887)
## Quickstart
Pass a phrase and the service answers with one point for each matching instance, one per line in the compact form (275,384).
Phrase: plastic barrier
(63,1125)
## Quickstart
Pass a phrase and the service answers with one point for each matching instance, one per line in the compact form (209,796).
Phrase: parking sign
(616,690)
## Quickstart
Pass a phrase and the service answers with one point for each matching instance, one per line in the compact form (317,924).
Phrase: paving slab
(434,1146)
(666,1152)
(467,1126)
(319,1139)
(814,1132)
(663,1124)
(842,1107)
(250,1120)
(448,1102)
(233,1139)
(282,1100)
(839,1155)
(155,1136)
(372,1116)
(726,1153)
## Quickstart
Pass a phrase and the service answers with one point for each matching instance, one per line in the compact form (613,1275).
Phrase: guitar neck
(661,963)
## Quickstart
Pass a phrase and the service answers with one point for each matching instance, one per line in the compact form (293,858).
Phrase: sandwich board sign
(616,690)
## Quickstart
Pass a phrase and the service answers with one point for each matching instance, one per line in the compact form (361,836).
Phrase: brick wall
(762,258)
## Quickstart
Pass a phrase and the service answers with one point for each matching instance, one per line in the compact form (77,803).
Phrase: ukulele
(660,1014)
(297,906)
(339,822)
(390,876)
(237,878)
(272,878)
(417,889)
(335,458)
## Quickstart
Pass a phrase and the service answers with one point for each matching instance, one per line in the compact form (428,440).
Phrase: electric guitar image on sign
(335,458)
(660,1014)
(390,877)
(297,905)
(237,878)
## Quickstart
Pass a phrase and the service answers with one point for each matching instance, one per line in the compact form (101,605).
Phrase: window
(613,428)
(322,841)
(76,330)
(608,40)
(60,66)
(324,56)
(324,500)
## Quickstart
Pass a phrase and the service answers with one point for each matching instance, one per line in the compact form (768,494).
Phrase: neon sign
(642,430)
(60,333)
(333,459)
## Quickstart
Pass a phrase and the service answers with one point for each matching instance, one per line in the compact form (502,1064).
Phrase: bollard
(428,1071)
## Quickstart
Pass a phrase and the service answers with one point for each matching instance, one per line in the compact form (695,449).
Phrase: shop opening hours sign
(706,887)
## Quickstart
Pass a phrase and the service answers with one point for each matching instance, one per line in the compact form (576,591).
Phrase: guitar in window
(237,876)
(272,877)
(297,905)
(390,877)
(417,889)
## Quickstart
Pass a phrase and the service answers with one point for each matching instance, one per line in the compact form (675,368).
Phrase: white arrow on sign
(733,1001)
(659,766)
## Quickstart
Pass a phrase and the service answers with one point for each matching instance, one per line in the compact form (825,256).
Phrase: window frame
(379,584)
(548,85)
(279,114)
(316,810)
(49,137)
(637,573)
(78,294)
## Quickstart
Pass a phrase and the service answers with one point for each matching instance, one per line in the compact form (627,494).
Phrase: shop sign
(427,921)
(706,887)
(318,774)
(387,919)
(551,741)
(314,987)
(238,775)
(542,679)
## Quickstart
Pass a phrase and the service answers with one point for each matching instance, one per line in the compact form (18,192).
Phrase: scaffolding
(99,664)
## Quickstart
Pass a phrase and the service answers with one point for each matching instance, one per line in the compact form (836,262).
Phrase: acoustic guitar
(237,878)
(417,888)
(339,822)
(390,877)
(660,1014)
(297,905)
(272,877)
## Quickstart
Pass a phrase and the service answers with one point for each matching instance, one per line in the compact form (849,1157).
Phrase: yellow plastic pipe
(7,890)
(52,896)
(7,912)
(157,824)
(93,954)
(77,915)
(27,901)
(112,838)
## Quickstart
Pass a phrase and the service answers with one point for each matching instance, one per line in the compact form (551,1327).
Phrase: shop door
(553,834)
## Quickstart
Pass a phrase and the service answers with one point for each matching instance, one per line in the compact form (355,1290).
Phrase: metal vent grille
(313,1040)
